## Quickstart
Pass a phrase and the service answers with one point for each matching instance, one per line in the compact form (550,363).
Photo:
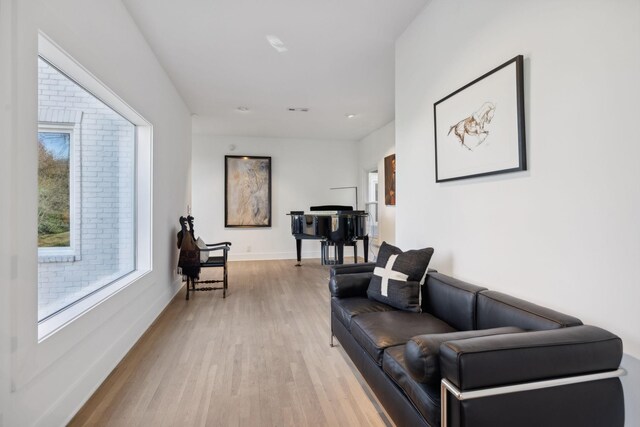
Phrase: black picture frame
(247,191)
(507,134)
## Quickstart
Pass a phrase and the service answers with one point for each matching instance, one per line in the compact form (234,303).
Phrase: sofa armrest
(515,358)
(349,285)
(422,352)
(367,267)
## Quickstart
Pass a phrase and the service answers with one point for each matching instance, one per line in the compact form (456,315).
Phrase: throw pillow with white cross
(398,276)
(387,273)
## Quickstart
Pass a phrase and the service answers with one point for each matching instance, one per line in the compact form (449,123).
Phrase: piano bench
(325,253)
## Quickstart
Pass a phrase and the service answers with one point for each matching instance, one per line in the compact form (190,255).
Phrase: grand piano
(335,226)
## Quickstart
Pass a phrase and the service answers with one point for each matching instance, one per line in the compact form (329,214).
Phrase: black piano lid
(331,208)
(328,213)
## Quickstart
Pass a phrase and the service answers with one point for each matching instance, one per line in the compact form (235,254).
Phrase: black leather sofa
(476,357)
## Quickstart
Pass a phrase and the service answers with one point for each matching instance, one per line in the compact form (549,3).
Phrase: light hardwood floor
(260,357)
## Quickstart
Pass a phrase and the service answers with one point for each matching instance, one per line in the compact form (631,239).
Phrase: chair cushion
(425,398)
(214,261)
(377,331)
(204,254)
(398,275)
(346,308)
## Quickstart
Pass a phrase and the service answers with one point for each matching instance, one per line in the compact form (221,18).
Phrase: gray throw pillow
(398,276)
(204,254)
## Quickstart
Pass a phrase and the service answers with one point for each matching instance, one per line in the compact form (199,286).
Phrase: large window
(93,187)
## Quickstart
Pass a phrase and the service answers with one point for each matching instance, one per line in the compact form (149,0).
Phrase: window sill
(50,326)
(44,259)
(46,255)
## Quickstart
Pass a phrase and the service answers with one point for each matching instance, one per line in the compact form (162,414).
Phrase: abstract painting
(247,191)
(390,180)
(479,129)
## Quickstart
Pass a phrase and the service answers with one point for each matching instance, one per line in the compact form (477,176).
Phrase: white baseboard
(262,256)
(265,256)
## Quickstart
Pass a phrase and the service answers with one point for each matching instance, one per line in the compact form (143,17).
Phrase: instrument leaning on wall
(335,226)
(189,257)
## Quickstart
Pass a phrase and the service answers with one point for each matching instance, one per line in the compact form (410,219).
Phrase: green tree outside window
(53,189)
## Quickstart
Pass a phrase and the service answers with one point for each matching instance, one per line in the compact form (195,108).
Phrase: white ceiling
(340,61)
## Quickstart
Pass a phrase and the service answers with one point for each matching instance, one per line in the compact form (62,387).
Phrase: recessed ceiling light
(243,109)
(276,43)
(350,116)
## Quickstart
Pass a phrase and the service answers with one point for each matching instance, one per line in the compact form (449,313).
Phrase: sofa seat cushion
(346,308)
(377,331)
(425,398)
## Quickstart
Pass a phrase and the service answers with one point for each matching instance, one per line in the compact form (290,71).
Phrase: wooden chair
(216,257)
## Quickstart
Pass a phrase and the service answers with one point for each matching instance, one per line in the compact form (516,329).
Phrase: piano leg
(365,243)
(355,252)
(299,252)
(340,250)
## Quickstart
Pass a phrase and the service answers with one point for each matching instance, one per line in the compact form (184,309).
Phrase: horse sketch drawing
(474,125)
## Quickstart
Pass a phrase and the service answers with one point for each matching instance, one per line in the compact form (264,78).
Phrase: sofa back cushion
(496,310)
(451,300)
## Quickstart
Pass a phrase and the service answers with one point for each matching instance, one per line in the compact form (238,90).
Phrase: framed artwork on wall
(247,191)
(390,180)
(479,128)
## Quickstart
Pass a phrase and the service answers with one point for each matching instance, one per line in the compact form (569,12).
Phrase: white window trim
(372,203)
(143,182)
(69,253)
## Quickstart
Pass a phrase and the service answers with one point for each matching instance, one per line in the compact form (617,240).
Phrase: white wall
(45,383)
(302,171)
(372,150)
(564,234)
(6,261)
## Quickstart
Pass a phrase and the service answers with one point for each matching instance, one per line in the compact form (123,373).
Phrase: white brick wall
(103,161)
